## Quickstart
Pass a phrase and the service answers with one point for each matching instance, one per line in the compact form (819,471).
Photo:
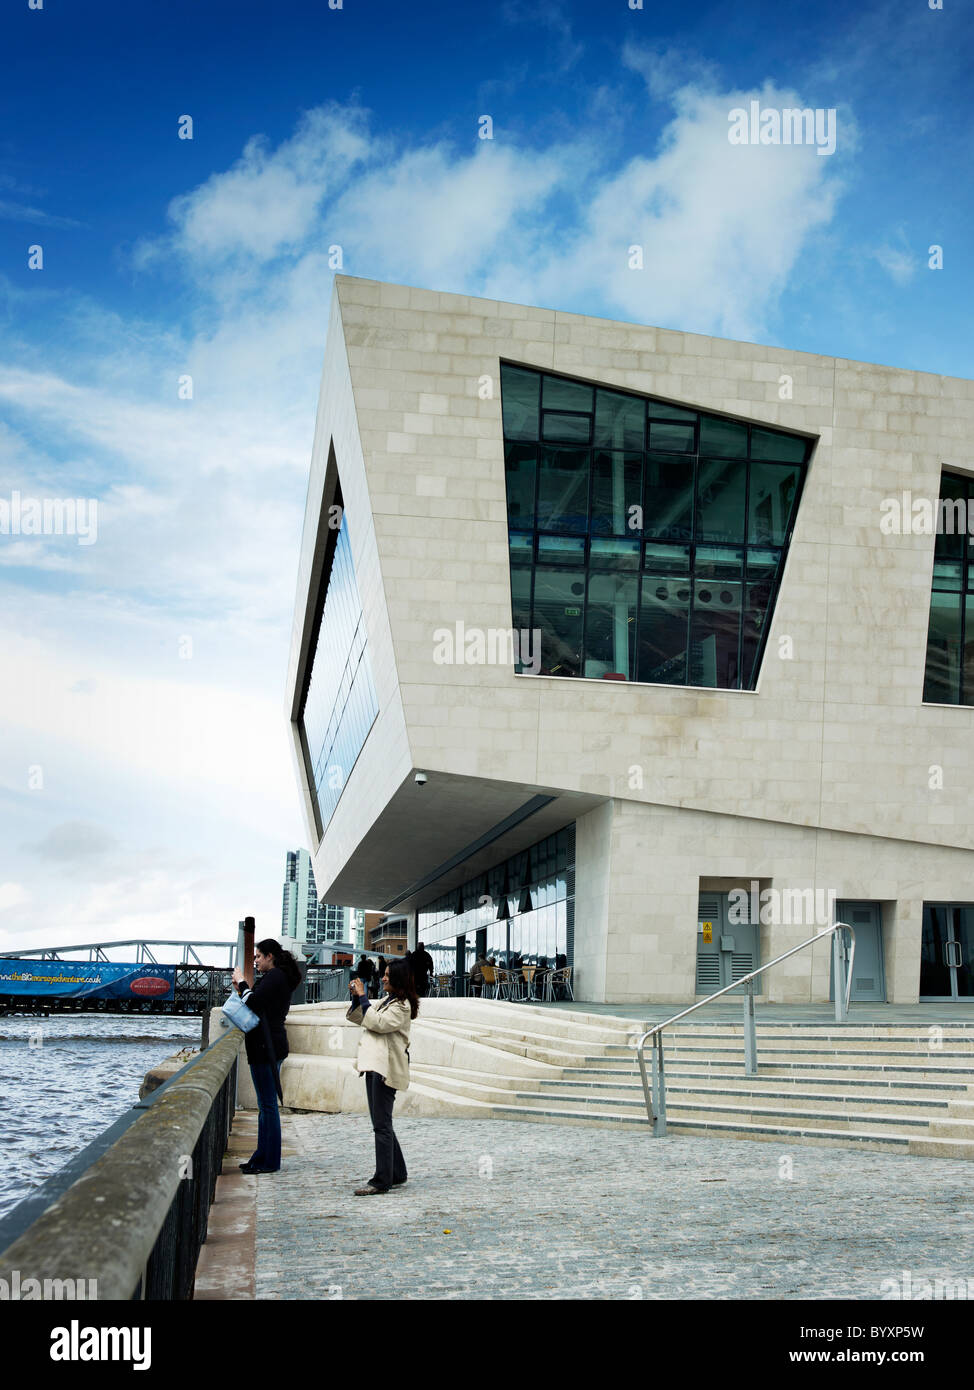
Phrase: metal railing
(129,1214)
(327,986)
(655,1093)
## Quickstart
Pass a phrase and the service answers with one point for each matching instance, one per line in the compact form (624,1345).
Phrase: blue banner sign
(72,979)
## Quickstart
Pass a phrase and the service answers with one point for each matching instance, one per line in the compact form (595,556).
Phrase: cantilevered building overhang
(728,683)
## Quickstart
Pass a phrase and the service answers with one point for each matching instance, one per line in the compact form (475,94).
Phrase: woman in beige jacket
(383,1056)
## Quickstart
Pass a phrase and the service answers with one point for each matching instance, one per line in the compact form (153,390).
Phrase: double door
(727,948)
(947,951)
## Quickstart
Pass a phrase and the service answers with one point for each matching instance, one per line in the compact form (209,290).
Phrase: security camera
(421,779)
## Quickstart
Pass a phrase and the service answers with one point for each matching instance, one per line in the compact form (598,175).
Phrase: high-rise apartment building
(303,917)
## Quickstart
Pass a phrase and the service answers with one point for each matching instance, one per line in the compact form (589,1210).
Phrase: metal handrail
(656,1097)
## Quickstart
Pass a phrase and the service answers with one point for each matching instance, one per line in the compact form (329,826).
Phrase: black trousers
(390,1166)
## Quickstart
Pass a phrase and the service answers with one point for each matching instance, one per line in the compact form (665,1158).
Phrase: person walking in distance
(383,1058)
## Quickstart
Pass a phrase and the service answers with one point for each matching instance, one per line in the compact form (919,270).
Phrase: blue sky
(144,673)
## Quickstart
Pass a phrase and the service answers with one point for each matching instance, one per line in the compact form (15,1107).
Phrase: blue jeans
(268,1151)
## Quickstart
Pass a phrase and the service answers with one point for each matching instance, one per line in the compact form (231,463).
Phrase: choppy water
(64,1079)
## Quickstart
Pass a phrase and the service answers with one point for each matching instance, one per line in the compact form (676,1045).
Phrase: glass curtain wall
(949,675)
(647,540)
(523,907)
(340,705)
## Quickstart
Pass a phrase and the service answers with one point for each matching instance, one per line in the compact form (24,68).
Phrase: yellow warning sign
(708,933)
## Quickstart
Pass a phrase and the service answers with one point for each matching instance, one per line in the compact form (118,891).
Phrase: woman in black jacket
(270,998)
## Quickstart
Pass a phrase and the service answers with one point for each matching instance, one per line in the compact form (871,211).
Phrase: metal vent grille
(865,983)
(708,974)
(742,963)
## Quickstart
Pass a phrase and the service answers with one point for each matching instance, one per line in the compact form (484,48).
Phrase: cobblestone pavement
(500,1209)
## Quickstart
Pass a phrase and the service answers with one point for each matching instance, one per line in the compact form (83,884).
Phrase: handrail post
(659,1088)
(839,976)
(750,1036)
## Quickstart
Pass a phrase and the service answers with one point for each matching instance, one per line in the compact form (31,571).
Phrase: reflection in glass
(617,488)
(665,619)
(720,500)
(610,626)
(771,499)
(620,421)
(591,508)
(520,394)
(669,498)
(723,438)
(563,489)
(542,876)
(942,682)
(558,608)
(520,464)
(340,705)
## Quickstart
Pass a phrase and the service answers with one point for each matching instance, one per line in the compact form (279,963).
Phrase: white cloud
(899,262)
(12,895)
(267,203)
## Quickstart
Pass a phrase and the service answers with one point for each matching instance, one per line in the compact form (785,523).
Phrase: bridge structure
(140,951)
(199,983)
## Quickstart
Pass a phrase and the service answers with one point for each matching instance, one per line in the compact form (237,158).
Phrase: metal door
(726,950)
(869,976)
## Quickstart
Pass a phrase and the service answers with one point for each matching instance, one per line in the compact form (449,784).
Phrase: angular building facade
(629,647)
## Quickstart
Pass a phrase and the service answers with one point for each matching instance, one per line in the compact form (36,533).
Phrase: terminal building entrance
(947,951)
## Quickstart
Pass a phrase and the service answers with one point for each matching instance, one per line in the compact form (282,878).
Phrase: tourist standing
(383,1058)
(278,977)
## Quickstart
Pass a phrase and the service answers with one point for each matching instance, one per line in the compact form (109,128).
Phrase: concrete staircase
(883,1087)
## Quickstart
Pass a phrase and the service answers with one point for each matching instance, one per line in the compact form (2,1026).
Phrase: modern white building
(609,644)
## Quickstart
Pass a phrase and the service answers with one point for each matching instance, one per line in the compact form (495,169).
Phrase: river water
(66,1078)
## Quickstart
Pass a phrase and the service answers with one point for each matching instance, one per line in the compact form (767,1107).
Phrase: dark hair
(401,985)
(283,960)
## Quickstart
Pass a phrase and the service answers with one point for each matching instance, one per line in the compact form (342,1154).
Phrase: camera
(421,779)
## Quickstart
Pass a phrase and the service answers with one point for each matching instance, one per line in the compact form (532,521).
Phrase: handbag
(246,1020)
(239,1015)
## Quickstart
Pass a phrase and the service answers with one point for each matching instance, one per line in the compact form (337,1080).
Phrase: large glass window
(949,677)
(520,910)
(648,539)
(340,705)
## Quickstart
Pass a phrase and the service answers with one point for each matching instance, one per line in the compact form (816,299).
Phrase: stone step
(869,1140)
(676,1076)
(823,1112)
(783,1050)
(724,1066)
(745,1092)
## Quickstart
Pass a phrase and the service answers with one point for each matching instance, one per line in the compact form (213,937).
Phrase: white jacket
(384,1047)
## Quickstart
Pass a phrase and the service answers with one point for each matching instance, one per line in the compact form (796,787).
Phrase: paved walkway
(499,1209)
